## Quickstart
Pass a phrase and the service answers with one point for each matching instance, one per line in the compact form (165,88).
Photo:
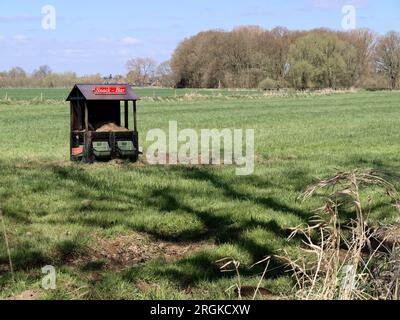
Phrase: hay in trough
(111,127)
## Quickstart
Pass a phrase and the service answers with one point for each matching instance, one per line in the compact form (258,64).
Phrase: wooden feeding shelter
(97,132)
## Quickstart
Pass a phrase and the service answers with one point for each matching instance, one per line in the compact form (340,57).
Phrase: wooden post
(71,129)
(86,118)
(79,113)
(126,115)
(134,117)
(88,147)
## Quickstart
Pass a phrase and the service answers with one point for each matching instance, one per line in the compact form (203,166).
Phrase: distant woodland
(252,57)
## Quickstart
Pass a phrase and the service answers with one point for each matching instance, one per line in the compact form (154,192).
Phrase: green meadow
(60,93)
(135,231)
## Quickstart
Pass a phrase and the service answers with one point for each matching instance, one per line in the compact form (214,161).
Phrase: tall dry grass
(232,265)
(4,230)
(339,261)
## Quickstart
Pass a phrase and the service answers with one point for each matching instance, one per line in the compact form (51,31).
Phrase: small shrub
(268,84)
(375,84)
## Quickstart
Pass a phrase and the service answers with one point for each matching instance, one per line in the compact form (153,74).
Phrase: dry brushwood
(232,265)
(326,271)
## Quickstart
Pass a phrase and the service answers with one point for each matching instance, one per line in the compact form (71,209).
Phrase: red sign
(109,90)
(77,151)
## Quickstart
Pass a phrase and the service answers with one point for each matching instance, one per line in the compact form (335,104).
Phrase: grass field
(134,231)
(59,94)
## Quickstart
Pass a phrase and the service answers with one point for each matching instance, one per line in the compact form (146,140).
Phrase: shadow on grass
(220,228)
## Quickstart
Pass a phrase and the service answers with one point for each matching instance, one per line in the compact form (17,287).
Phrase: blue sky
(100,36)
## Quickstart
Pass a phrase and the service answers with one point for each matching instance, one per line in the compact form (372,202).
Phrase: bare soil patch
(129,250)
(389,235)
(27,295)
(248,292)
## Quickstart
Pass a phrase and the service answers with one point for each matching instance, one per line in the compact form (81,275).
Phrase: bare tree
(42,72)
(164,74)
(387,55)
(17,72)
(17,77)
(141,71)
(359,65)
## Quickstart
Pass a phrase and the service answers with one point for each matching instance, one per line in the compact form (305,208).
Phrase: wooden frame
(88,115)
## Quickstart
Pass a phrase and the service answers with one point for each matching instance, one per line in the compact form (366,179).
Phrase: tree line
(252,57)
(141,72)
(43,77)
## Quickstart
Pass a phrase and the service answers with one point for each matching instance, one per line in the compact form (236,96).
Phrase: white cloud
(123,52)
(337,4)
(104,40)
(74,52)
(2,37)
(19,37)
(19,18)
(129,41)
